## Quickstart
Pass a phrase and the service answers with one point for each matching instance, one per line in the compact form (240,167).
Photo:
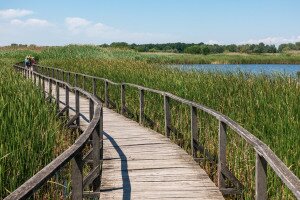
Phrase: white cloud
(75,23)
(82,28)
(274,40)
(73,30)
(31,22)
(14,13)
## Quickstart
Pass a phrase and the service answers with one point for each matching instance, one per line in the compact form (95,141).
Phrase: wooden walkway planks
(142,164)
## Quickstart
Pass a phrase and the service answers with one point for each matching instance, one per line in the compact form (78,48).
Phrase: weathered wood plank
(140,163)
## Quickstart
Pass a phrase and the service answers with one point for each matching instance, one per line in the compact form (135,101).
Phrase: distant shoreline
(224,58)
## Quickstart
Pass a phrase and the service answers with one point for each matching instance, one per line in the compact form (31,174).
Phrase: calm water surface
(269,69)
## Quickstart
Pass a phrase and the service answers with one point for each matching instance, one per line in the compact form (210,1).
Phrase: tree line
(205,49)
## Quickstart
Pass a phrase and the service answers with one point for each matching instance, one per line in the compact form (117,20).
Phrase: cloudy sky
(149,21)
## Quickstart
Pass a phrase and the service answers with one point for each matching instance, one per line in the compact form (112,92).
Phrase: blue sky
(149,21)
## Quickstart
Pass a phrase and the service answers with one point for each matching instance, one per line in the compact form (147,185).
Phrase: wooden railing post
(57,74)
(96,148)
(77,177)
(83,85)
(75,80)
(63,76)
(39,84)
(167,115)
(57,96)
(34,79)
(101,135)
(67,100)
(94,87)
(91,111)
(50,89)
(77,107)
(222,154)
(260,178)
(142,102)
(123,102)
(96,157)
(52,72)
(44,90)
(194,130)
(68,77)
(106,94)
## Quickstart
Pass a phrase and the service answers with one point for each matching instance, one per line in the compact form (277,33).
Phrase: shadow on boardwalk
(124,168)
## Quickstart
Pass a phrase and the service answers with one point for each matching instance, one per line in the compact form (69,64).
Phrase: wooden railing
(264,155)
(74,154)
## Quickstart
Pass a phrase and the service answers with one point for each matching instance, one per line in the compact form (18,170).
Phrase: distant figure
(32,62)
(27,62)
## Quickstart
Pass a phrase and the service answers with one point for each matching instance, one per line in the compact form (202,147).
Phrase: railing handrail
(36,181)
(263,152)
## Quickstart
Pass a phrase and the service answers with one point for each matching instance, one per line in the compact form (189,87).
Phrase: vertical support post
(260,178)
(106,94)
(77,177)
(68,77)
(96,149)
(142,102)
(77,107)
(67,100)
(43,83)
(40,83)
(167,115)
(94,87)
(123,102)
(194,130)
(91,103)
(222,153)
(50,89)
(101,136)
(57,96)
(52,72)
(84,79)
(76,79)
(34,79)
(57,74)
(63,75)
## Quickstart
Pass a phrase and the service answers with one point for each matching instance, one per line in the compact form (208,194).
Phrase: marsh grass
(30,134)
(266,106)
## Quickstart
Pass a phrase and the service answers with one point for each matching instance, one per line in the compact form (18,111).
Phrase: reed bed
(96,52)
(30,134)
(266,106)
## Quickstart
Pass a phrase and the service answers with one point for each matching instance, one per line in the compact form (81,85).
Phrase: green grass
(88,51)
(30,134)
(224,58)
(267,107)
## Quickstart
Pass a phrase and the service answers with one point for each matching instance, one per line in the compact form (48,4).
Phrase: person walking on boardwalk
(32,62)
(27,62)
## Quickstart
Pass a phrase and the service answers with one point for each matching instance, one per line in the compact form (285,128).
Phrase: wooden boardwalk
(140,163)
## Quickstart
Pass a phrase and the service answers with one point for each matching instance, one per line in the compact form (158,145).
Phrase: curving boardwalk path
(142,164)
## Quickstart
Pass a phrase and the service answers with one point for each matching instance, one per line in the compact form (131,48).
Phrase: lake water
(269,69)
